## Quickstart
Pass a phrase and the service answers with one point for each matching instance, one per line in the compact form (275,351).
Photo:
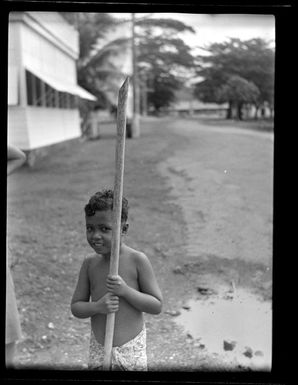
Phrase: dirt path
(222,179)
(200,208)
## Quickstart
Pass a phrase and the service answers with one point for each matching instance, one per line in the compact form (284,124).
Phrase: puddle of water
(244,319)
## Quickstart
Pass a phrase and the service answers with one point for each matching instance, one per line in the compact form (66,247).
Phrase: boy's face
(99,231)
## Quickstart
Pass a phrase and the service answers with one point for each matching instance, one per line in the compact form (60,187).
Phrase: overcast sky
(220,27)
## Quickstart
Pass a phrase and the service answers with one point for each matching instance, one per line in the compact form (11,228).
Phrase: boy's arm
(81,307)
(149,298)
(15,158)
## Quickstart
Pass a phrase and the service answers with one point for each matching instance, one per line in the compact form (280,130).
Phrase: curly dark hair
(103,200)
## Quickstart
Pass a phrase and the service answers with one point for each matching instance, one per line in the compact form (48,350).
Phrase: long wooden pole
(135,88)
(117,207)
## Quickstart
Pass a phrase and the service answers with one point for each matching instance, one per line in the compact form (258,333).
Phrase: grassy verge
(251,124)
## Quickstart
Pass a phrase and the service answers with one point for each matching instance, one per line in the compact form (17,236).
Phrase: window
(40,93)
(30,86)
(62,100)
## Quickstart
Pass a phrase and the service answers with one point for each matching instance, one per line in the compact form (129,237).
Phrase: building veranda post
(42,81)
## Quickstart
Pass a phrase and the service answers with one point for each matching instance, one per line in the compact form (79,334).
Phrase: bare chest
(98,272)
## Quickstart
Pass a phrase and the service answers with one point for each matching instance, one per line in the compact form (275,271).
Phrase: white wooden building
(42,80)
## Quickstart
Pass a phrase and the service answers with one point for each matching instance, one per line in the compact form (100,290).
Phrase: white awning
(62,86)
(82,93)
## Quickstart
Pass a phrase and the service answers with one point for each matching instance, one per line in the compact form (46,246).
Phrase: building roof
(53,27)
(186,100)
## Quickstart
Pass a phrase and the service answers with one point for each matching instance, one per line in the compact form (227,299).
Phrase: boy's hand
(116,285)
(109,303)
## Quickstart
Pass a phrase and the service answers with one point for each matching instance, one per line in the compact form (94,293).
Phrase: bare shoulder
(135,255)
(90,259)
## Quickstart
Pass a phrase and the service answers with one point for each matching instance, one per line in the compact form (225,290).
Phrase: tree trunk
(229,111)
(239,111)
(256,113)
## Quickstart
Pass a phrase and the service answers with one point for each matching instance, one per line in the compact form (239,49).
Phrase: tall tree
(92,27)
(164,59)
(252,60)
(238,92)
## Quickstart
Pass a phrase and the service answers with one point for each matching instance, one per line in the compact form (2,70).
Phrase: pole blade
(117,208)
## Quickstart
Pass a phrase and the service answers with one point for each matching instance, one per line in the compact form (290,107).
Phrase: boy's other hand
(109,303)
(116,285)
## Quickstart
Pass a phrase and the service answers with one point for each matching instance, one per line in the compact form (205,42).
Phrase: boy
(132,292)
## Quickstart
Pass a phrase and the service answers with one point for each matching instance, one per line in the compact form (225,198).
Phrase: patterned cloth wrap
(129,356)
